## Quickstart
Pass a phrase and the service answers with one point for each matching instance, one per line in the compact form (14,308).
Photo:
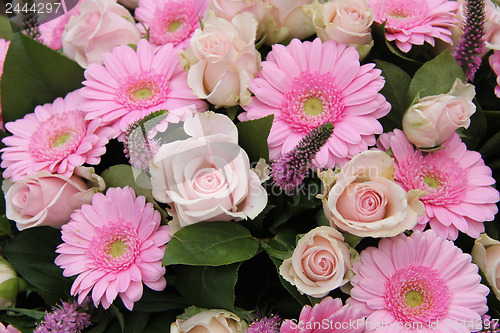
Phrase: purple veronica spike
(470,48)
(289,170)
(64,318)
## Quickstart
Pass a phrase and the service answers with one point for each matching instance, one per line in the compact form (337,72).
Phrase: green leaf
(34,74)
(37,315)
(210,244)
(490,147)
(32,254)
(160,322)
(208,287)
(397,82)
(5,28)
(119,316)
(252,137)
(435,77)
(122,175)
(282,245)
(136,322)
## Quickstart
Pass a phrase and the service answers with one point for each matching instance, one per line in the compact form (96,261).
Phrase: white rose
(486,254)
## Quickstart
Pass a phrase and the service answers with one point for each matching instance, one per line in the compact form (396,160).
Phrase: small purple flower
(265,325)
(64,318)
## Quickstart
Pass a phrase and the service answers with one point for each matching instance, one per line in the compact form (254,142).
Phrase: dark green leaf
(154,301)
(397,82)
(160,323)
(37,315)
(208,287)
(302,299)
(252,136)
(34,74)
(5,28)
(435,77)
(119,316)
(135,322)
(32,253)
(210,244)
(490,147)
(282,245)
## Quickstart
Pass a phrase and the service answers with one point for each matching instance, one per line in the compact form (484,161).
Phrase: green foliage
(34,74)
(122,175)
(252,137)
(5,28)
(32,254)
(209,287)
(435,77)
(210,244)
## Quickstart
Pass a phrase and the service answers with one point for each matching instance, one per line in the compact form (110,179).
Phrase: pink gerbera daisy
(4,47)
(307,84)
(420,283)
(114,245)
(171,21)
(132,84)
(328,316)
(457,184)
(494,61)
(413,22)
(56,137)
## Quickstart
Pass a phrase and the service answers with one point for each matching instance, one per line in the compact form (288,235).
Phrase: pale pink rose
(366,202)
(222,59)
(228,9)
(207,177)
(51,32)
(45,199)
(209,321)
(100,26)
(344,21)
(287,19)
(319,264)
(486,254)
(433,119)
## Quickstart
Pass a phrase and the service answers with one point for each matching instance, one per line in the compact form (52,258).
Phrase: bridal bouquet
(250,166)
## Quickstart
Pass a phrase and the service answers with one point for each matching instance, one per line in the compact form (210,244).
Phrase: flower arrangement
(232,166)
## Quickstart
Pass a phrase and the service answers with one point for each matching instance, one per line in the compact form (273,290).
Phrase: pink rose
(100,26)
(211,321)
(207,177)
(51,32)
(45,199)
(366,202)
(222,59)
(433,119)
(344,21)
(319,263)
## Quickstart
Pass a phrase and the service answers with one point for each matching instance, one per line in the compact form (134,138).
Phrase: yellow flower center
(174,26)
(313,106)
(117,248)
(414,298)
(432,182)
(61,139)
(142,93)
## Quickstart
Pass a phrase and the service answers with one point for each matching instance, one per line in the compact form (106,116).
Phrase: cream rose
(433,119)
(100,26)
(319,264)
(344,21)
(287,19)
(222,59)
(9,283)
(46,199)
(486,254)
(207,177)
(366,202)
(209,321)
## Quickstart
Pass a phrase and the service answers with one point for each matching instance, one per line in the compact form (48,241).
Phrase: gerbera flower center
(143,91)
(173,23)
(401,14)
(311,101)
(417,294)
(58,137)
(115,247)
(435,173)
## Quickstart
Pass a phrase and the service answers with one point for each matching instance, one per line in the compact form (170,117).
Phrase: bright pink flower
(328,316)
(422,281)
(56,137)
(413,22)
(114,245)
(308,84)
(459,196)
(4,47)
(171,21)
(494,61)
(132,84)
